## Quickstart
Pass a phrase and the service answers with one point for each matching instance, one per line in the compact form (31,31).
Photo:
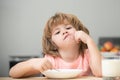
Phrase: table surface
(44,78)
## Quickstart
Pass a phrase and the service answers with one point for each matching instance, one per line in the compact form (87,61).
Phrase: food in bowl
(62,73)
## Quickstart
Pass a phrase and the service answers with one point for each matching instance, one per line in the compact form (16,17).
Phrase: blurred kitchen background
(22,23)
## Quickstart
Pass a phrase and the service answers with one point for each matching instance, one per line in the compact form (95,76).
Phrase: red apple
(103,49)
(108,45)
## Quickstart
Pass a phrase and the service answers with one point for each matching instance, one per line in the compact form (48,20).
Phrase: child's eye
(57,32)
(68,27)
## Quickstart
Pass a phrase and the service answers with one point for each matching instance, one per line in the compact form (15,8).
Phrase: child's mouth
(66,36)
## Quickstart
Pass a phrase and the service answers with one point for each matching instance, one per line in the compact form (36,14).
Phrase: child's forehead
(58,24)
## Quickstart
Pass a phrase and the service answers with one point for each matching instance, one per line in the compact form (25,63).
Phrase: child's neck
(69,55)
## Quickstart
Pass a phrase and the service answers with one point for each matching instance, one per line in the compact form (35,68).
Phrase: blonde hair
(60,18)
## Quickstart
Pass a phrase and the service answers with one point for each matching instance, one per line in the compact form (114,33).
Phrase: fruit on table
(108,45)
(103,49)
(115,49)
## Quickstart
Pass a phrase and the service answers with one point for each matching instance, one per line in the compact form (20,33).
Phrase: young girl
(66,45)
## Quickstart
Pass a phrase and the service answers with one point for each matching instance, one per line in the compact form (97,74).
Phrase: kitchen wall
(22,23)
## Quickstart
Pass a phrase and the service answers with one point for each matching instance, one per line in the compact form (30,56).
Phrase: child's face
(62,35)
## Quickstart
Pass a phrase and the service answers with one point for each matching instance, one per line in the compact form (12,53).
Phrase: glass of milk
(111,67)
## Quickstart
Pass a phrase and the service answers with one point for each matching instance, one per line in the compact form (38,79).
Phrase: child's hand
(81,36)
(41,64)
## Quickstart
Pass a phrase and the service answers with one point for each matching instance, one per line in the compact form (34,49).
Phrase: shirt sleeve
(51,59)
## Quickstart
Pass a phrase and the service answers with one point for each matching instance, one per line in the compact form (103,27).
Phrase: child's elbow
(98,74)
(13,74)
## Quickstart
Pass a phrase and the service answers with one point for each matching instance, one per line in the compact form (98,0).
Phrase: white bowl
(62,73)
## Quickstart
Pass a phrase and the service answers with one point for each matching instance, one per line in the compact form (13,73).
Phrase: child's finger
(77,37)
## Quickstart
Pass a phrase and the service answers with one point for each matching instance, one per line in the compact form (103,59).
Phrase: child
(66,45)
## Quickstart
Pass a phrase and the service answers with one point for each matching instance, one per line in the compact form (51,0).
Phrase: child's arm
(30,67)
(95,56)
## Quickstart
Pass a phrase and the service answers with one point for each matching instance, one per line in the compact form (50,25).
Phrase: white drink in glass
(111,67)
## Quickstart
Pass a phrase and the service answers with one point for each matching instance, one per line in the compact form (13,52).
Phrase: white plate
(62,73)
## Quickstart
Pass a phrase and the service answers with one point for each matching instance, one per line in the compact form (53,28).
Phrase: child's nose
(65,32)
